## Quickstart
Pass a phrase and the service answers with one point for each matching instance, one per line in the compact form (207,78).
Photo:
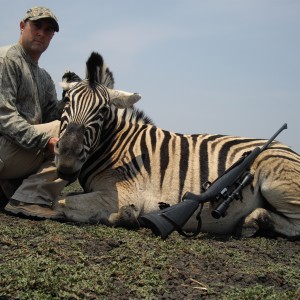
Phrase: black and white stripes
(122,159)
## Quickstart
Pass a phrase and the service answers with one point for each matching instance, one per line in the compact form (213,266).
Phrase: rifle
(227,187)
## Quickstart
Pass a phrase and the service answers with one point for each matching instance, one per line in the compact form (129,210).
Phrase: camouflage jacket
(27,97)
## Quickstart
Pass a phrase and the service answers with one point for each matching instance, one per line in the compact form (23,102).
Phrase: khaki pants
(42,185)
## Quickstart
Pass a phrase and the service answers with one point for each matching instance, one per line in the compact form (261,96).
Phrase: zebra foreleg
(96,209)
(87,207)
(269,223)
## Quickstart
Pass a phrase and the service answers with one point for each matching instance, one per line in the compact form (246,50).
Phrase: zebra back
(161,154)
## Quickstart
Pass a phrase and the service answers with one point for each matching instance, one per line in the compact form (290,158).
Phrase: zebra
(128,167)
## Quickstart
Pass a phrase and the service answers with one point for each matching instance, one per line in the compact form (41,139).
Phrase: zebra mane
(98,72)
(134,116)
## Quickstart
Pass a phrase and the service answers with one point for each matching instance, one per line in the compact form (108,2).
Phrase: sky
(202,66)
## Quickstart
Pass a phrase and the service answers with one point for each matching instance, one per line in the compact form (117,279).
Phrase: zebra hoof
(125,217)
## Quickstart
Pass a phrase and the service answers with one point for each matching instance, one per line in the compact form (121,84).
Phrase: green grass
(53,260)
(259,292)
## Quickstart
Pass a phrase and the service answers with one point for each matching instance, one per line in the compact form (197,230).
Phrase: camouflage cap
(39,12)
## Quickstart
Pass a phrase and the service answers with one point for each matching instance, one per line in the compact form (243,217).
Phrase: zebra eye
(66,99)
(103,110)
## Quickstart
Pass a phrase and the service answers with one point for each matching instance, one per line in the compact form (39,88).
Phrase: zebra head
(87,106)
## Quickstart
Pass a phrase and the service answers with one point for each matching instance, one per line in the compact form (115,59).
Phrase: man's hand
(51,144)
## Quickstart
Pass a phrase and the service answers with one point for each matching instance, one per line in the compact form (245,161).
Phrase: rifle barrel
(265,146)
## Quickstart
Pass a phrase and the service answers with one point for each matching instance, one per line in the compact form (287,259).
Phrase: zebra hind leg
(268,223)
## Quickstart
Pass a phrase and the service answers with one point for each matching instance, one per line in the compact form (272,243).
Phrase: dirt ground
(206,267)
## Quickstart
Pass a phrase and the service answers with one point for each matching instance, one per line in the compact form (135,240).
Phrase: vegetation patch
(43,259)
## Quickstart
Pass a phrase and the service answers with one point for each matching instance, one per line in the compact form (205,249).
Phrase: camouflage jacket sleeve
(21,106)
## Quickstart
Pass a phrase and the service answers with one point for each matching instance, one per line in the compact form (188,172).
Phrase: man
(29,113)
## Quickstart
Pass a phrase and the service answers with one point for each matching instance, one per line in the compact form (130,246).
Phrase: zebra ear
(69,80)
(67,85)
(123,99)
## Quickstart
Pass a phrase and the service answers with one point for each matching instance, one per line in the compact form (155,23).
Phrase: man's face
(36,36)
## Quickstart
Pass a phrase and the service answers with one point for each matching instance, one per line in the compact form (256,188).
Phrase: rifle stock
(164,222)
(172,218)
